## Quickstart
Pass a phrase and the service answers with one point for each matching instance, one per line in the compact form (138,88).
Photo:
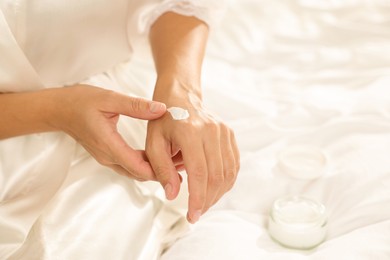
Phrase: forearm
(204,146)
(26,113)
(178,45)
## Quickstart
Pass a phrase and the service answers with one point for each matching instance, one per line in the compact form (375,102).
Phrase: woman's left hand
(203,146)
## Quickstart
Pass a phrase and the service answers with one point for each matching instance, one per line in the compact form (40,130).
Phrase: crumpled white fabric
(313,72)
(56,201)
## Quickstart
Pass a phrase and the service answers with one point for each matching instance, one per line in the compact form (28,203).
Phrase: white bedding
(301,72)
(280,73)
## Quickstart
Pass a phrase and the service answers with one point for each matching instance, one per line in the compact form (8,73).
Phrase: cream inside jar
(298,222)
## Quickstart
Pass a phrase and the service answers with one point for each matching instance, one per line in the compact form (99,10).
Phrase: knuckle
(211,126)
(217,179)
(134,175)
(135,105)
(162,172)
(230,174)
(199,173)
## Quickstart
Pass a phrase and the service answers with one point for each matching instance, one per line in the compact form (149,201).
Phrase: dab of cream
(178,113)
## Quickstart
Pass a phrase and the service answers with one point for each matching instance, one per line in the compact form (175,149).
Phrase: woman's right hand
(90,115)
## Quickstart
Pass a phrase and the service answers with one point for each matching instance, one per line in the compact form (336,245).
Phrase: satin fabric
(56,201)
(279,73)
(305,72)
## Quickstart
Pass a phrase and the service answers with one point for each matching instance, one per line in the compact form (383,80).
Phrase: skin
(77,111)
(205,147)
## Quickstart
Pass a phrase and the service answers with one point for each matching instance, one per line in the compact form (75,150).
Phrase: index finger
(195,162)
(159,154)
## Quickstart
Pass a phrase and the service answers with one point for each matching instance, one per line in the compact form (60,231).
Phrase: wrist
(52,105)
(177,90)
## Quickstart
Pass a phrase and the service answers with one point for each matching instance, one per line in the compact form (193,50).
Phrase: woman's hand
(90,115)
(205,146)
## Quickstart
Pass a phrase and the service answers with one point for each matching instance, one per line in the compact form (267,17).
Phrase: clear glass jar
(298,222)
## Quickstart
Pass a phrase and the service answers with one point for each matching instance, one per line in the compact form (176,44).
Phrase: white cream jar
(298,222)
(302,162)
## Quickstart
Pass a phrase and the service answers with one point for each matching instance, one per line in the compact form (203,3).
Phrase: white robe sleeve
(208,11)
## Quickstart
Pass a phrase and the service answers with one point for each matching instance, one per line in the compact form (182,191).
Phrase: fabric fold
(14,63)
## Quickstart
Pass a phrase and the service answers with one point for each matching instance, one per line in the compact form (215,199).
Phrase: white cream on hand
(298,222)
(178,113)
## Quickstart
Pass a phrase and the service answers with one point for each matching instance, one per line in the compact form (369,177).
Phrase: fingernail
(156,107)
(168,190)
(196,216)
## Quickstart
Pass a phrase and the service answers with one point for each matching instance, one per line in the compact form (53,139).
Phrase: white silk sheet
(279,73)
(301,72)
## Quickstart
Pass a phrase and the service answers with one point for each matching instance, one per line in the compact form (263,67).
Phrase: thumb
(137,107)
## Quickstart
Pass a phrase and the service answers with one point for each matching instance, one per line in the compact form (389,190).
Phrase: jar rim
(284,211)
